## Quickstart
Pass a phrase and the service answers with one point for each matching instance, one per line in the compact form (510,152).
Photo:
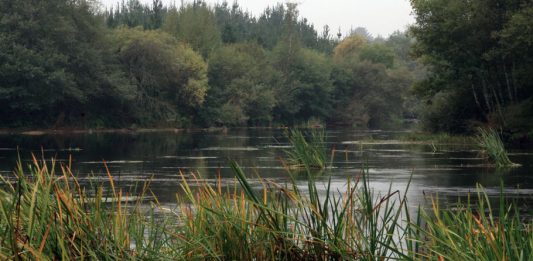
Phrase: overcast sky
(380,17)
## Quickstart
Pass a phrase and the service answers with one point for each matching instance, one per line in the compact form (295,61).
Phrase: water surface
(452,170)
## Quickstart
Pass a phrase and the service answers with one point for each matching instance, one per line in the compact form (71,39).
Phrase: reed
(475,230)
(490,142)
(282,222)
(45,214)
(307,151)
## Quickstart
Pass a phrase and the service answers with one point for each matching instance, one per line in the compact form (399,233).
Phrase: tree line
(68,63)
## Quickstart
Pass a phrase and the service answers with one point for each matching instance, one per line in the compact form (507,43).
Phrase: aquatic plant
(490,142)
(49,216)
(46,214)
(306,152)
(475,230)
(281,222)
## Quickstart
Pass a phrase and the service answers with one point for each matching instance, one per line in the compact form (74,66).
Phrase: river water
(450,170)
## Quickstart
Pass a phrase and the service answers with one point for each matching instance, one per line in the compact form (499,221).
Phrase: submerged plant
(307,152)
(490,142)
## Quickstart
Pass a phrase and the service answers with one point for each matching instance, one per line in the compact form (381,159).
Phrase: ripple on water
(72,149)
(267,159)
(188,157)
(387,150)
(381,142)
(390,171)
(519,153)
(236,137)
(490,191)
(115,162)
(231,148)
(278,146)
(452,158)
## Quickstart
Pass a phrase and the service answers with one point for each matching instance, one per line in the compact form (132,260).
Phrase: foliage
(367,94)
(193,65)
(170,77)
(241,90)
(350,47)
(133,13)
(370,89)
(54,65)
(195,24)
(379,54)
(474,49)
(305,86)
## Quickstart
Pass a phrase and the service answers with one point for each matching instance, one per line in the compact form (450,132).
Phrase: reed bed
(492,145)
(281,222)
(475,231)
(45,215)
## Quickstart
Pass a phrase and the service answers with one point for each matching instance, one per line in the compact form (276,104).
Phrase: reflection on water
(135,157)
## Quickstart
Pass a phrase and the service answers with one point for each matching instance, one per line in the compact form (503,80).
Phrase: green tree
(465,45)
(378,53)
(369,92)
(305,88)
(241,92)
(54,65)
(195,24)
(171,79)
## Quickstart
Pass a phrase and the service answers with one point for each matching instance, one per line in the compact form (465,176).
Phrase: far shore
(38,132)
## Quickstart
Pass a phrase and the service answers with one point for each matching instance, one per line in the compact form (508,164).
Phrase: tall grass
(282,222)
(475,231)
(490,142)
(307,152)
(45,214)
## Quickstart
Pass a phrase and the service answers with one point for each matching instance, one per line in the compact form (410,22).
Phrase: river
(449,170)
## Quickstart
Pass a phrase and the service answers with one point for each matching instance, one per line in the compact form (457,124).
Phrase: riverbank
(37,132)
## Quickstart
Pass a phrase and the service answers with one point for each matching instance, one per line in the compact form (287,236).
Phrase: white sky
(380,17)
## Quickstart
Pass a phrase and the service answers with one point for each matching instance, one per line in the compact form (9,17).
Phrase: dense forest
(74,64)
(68,63)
